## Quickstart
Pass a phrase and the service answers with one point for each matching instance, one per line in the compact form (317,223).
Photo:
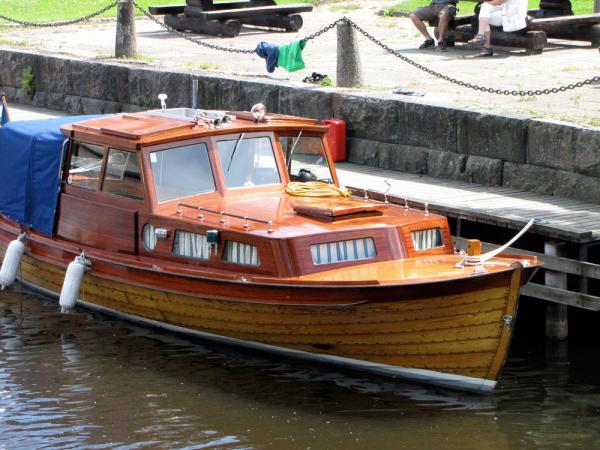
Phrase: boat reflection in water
(234,227)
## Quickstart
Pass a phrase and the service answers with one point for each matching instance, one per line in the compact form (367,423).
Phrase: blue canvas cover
(30,156)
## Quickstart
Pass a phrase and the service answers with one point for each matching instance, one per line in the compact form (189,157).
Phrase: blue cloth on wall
(270,52)
(30,152)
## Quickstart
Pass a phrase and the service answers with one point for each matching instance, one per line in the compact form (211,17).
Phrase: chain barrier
(62,23)
(515,93)
(366,34)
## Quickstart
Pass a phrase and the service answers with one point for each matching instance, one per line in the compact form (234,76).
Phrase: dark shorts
(433,11)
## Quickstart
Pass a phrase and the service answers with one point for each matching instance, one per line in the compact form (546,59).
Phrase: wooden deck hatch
(335,209)
(133,126)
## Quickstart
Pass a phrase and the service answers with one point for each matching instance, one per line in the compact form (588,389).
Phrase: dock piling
(557,324)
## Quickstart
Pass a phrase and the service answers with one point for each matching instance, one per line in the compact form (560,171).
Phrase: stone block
(491,136)
(40,99)
(362,151)
(208,93)
(403,158)
(369,118)
(13,64)
(586,144)
(305,102)
(580,187)
(56,101)
(252,93)
(550,144)
(230,94)
(72,104)
(529,178)
(484,170)
(177,86)
(427,126)
(92,106)
(143,83)
(447,165)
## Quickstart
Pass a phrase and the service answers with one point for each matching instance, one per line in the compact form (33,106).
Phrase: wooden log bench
(225,19)
(535,36)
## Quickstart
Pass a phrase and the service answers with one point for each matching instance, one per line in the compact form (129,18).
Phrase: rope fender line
(315,189)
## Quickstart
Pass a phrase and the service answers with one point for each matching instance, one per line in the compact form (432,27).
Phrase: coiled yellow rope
(315,189)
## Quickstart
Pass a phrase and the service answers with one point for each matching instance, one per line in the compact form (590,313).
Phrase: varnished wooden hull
(453,333)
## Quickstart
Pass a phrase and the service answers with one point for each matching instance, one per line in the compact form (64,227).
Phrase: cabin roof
(152,127)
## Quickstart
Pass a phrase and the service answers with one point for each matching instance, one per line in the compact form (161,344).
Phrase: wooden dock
(564,223)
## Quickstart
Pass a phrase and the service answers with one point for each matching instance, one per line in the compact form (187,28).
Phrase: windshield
(181,172)
(248,162)
(306,160)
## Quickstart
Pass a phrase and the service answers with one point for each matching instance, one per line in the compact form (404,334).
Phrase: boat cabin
(212,190)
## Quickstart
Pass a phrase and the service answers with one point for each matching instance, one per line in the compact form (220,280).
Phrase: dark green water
(85,380)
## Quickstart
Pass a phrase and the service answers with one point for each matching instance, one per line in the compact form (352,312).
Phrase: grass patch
(579,6)
(56,10)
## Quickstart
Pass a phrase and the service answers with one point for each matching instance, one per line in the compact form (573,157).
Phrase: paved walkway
(561,63)
(563,218)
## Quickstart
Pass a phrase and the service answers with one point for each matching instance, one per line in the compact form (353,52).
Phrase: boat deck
(561,218)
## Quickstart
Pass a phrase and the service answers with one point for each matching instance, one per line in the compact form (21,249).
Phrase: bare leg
(488,39)
(443,26)
(484,25)
(419,25)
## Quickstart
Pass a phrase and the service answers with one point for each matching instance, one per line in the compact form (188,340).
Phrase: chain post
(125,41)
(349,68)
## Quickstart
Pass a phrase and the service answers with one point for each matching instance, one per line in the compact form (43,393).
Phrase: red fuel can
(336,136)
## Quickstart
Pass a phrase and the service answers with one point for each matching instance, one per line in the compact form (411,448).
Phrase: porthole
(149,237)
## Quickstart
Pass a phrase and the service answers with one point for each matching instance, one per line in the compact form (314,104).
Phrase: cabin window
(190,245)
(427,239)
(341,251)
(86,165)
(122,176)
(306,159)
(181,172)
(240,253)
(149,237)
(248,162)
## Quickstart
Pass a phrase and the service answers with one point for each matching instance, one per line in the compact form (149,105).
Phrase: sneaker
(442,46)
(478,40)
(427,44)
(485,51)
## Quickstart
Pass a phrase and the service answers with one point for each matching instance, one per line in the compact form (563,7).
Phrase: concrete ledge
(383,131)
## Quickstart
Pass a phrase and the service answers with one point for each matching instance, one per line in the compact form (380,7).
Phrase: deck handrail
(224,214)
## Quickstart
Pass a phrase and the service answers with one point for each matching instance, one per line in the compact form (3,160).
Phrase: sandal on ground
(479,39)
(429,43)
(485,51)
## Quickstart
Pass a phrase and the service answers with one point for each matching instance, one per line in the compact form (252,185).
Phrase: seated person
(444,11)
(511,14)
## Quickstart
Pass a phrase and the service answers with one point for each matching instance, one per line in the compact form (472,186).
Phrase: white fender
(12,260)
(72,283)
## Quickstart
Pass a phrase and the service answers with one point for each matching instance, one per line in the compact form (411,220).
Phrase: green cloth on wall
(290,56)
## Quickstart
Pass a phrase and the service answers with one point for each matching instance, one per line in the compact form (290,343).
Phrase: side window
(305,158)
(122,175)
(86,165)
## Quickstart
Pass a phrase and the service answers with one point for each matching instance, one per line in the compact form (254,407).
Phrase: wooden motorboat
(233,227)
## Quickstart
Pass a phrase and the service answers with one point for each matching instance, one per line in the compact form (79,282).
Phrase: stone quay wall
(383,130)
